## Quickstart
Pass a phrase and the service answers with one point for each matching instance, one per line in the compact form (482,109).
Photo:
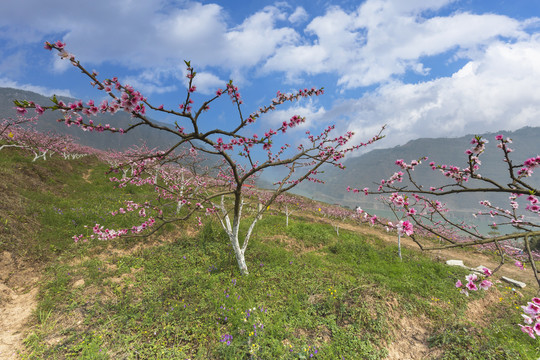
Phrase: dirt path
(18,298)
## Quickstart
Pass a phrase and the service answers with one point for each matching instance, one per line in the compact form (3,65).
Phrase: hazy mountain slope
(153,138)
(367,170)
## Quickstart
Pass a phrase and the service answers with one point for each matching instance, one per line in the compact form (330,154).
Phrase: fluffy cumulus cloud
(496,91)
(370,44)
(299,15)
(385,38)
(152,35)
(382,57)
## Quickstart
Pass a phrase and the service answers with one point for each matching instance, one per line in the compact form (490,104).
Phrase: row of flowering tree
(14,133)
(243,156)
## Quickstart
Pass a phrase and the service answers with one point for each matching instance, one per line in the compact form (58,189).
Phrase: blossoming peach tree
(41,145)
(243,156)
(427,217)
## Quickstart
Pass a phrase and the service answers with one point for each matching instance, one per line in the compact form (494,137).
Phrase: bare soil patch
(18,291)
(411,340)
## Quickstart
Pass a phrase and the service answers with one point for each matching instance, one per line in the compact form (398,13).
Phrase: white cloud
(382,39)
(310,109)
(497,91)
(371,44)
(207,83)
(152,36)
(257,38)
(299,15)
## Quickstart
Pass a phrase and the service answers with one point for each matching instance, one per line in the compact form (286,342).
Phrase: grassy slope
(179,295)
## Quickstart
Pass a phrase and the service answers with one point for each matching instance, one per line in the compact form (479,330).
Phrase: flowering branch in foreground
(429,216)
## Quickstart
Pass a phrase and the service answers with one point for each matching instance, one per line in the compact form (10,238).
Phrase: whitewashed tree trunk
(336,227)
(12,145)
(40,155)
(232,230)
(180,204)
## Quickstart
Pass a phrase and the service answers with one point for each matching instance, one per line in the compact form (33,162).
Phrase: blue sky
(437,68)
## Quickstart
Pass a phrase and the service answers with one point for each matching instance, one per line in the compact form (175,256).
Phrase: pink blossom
(527,330)
(485,284)
(527,319)
(536,328)
(459,284)
(405,227)
(531,309)
(471,286)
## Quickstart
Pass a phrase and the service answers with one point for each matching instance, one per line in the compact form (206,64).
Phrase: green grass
(309,292)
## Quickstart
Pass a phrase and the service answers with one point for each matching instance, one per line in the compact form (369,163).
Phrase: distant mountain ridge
(363,171)
(368,170)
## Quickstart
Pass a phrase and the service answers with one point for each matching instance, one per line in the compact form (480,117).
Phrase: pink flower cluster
(531,316)
(410,166)
(101,233)
(534,205)
(474,282)
(528,166)
(405,227)
(479,146)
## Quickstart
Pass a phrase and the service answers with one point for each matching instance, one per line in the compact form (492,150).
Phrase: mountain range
(362,171)
(369,169)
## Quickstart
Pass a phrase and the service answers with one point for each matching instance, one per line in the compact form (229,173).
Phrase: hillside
(311,293)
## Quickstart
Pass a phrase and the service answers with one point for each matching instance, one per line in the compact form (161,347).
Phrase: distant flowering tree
(336,215)
(41,144)
(233,145)
(6,125)
(418,202)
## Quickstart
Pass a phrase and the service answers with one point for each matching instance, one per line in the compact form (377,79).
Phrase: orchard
(185,186)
